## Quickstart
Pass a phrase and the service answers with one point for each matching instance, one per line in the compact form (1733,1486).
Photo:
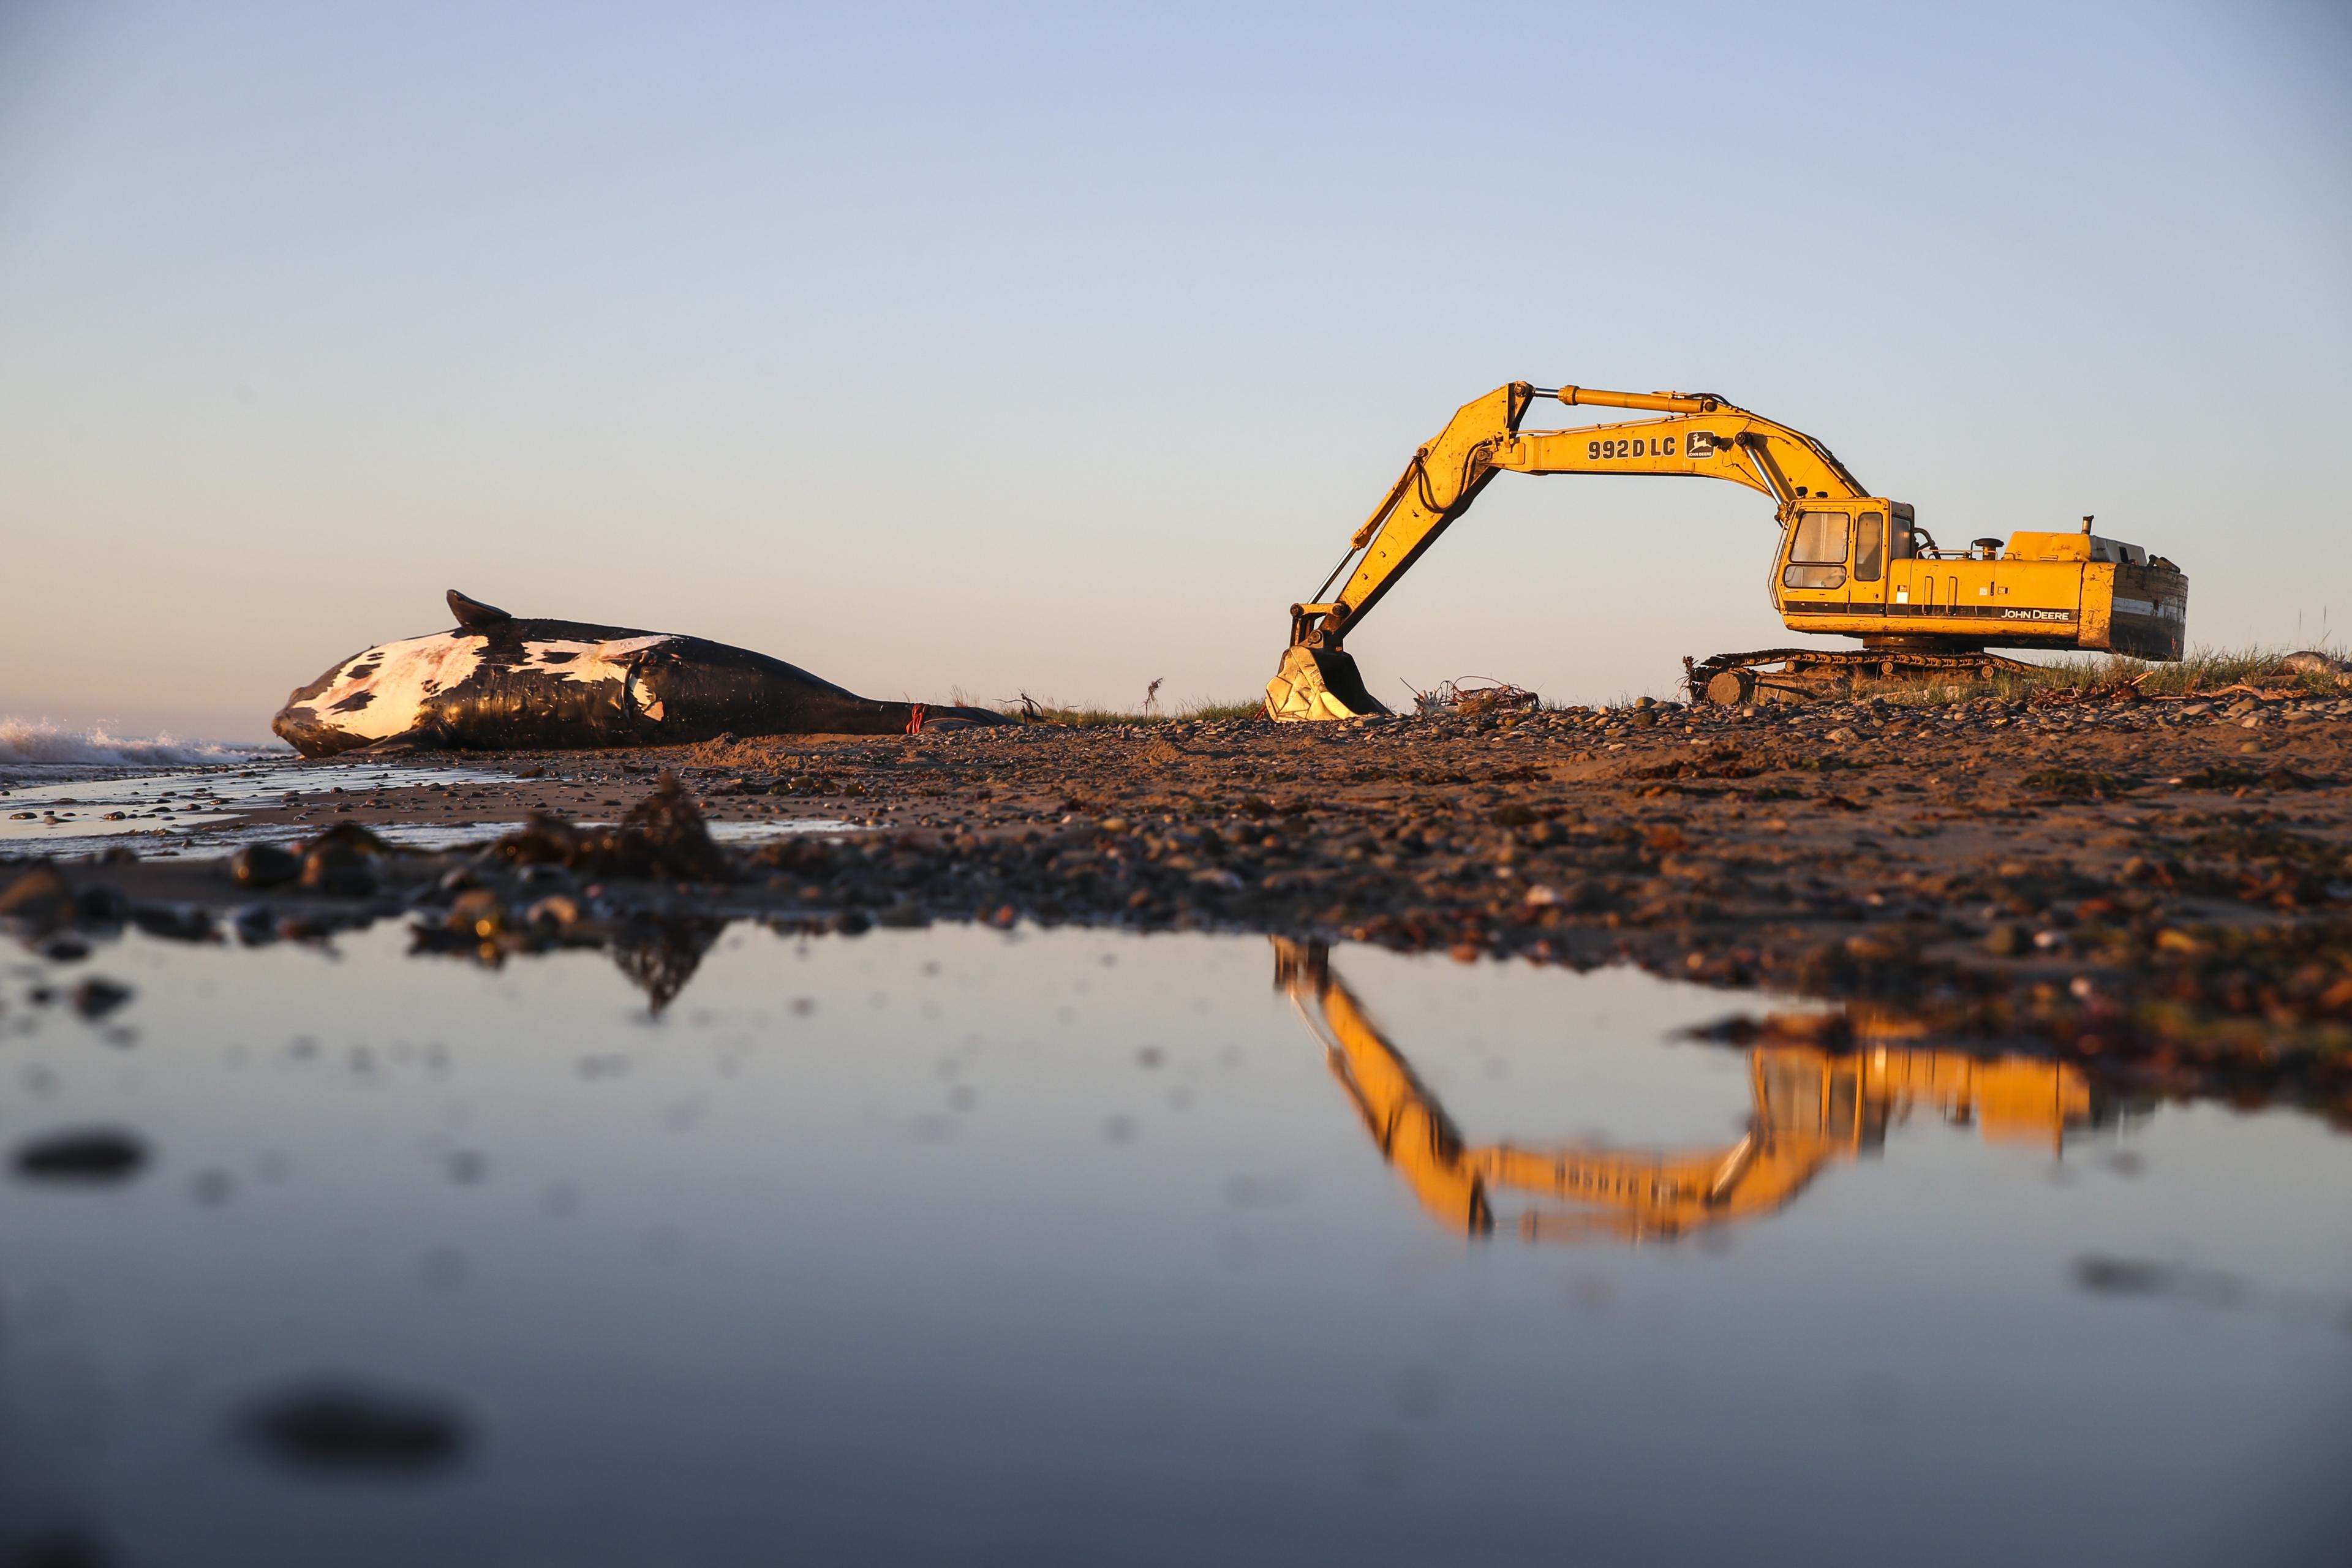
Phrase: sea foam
(38,742)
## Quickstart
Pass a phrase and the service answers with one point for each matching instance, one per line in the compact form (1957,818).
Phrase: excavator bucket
(1318,683)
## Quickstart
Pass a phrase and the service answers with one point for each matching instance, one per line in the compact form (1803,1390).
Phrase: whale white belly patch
(586,661)
(396,679)
(384,691)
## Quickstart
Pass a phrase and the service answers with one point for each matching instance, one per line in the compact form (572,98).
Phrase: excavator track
(1805,674)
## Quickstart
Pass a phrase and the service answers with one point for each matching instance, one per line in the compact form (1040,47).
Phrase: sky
(982,349)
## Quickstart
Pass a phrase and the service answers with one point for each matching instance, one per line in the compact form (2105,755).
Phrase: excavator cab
(1836,555)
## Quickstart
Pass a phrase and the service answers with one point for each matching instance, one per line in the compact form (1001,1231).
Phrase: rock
(63,1547)
(335,868)
(2312,662)
(558,912)
(345,1429)
(662,837)
(81,1154)
(263,865)
(1877,947)
(38,902)
(171,922)
(101,906)
(478,913)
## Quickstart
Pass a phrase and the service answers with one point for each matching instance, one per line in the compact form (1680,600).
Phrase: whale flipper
(473,615)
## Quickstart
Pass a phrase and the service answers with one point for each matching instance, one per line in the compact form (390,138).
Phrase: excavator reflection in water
(1813,1106)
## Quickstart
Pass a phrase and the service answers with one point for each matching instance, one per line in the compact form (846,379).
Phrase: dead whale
(497,682)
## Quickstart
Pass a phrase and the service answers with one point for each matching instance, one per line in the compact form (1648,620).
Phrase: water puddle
(949,1244)
(75,816)
(197,815)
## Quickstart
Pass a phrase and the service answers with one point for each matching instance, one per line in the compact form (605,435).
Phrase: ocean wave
(36,742)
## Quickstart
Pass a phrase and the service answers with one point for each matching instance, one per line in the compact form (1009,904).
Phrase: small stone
(96,996)
(81,1154)
(343,1429)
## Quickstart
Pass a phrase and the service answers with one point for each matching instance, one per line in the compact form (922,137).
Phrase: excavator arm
(1703,437)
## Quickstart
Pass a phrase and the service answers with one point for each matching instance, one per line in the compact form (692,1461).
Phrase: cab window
(1817,555)
(1869,547)
(1792,1097)
(1905,520)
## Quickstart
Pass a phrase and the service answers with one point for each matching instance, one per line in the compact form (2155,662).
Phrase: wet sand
(2161,879)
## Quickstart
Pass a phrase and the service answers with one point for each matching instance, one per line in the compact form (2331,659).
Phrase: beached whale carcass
(497,682)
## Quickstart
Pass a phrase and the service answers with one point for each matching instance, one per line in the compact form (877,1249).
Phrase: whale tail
(473,615)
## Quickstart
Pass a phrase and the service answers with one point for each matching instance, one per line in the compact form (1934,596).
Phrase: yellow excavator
(1850,563)
(1811,1107)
